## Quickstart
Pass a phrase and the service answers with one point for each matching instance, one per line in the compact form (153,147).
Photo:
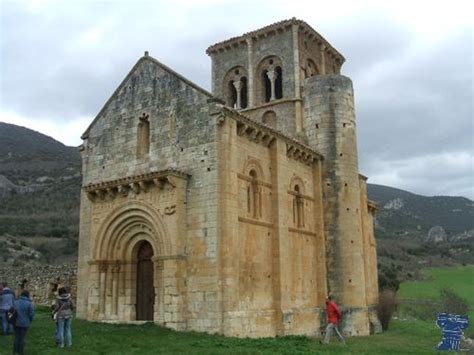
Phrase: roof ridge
(268,28)
(146,56)
(251,33)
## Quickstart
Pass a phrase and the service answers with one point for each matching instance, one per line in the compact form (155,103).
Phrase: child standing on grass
(63,310)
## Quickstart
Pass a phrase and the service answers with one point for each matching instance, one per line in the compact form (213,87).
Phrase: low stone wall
(43,280)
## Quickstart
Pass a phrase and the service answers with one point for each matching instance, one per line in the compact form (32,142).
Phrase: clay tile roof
(281,25)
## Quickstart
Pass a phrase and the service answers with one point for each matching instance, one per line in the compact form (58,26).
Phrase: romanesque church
(233,212)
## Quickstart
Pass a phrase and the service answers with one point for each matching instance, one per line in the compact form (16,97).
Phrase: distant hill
(39,209)
(415,231)
(402,212)
(39,192)
(21,147)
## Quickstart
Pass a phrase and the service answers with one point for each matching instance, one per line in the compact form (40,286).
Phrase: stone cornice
(135,183)
(275,27)
(271,104)
(261,133)
(372,206)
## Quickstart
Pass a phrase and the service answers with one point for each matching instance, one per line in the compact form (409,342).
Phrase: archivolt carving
(296,180)
(127,225)
(254,164)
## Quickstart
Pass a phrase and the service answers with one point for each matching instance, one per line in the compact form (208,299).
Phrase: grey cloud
(412,101)
(436,174)
(422,108)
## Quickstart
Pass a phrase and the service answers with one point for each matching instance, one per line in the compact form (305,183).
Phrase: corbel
(242,129)
(110,192)
(143,186)
(100,193)
(160,182)
(91,195)
(135,187)
(123,190)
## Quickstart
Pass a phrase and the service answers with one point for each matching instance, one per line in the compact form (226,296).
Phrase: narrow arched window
(267,86)
(278,83)
(143,136)
(232,95)
(243,92)
(236,88)
(298,208)
(254,200)
(270,79)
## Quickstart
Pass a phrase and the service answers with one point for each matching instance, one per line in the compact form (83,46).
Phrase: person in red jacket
(333,317)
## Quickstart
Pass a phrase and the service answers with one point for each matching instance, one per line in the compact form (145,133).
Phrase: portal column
(102,288)
(115,288)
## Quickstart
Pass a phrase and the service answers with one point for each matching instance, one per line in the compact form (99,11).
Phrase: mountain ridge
(40,184)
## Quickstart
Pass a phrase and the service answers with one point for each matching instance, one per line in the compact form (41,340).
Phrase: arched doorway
(145,284)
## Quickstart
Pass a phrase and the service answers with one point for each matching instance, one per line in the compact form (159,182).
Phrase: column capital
(271,75)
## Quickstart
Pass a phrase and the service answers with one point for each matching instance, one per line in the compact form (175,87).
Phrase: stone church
(234,212)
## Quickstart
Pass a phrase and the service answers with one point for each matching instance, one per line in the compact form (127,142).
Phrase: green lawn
(460,279)
(414,337)
(404,336)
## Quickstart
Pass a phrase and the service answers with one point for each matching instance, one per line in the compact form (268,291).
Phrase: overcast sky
(411,64)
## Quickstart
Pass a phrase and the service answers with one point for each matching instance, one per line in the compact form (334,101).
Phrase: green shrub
(388,277)
(387,305)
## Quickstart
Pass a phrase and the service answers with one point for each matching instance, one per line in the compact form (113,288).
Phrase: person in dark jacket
(7,300)
(333,314)
(63,309)
(25,314)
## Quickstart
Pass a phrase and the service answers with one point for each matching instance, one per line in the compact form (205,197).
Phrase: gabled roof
(146,57)
(281,25)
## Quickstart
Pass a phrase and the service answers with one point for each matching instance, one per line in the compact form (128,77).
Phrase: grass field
(414,337)
(460,279)
(404,336)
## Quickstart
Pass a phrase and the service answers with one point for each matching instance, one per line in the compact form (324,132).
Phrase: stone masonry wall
(182,135)
(273,270)
(43,281)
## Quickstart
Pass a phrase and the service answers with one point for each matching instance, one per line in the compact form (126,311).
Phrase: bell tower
(287,76)
(262,72)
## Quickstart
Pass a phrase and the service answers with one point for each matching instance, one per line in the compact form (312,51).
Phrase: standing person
(63,309)
(7,300)
(25,314)
(333,318)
